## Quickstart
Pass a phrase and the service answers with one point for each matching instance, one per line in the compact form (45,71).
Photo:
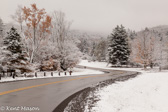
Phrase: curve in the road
(49,93)
(29,87)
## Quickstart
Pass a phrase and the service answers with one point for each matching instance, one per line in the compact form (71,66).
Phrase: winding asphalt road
(44,95)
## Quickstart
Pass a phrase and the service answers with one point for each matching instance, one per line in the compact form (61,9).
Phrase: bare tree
(145,48)
(60,28)
(66,46)
(18,16)
(101,50)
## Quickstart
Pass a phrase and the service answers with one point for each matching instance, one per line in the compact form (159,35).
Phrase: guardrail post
(3,73)
(65,73)
(7,73)
(59,73)
(13,75)
(70,72)
(25,75)
(44,74)
(35,74)
(51,73)
(0,76)
(10,73)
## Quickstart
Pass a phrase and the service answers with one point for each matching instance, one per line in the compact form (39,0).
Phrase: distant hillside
(162,29)
(87,35)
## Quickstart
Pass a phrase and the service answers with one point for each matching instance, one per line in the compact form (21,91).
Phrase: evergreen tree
(14,55)
(13,41)
(118,49)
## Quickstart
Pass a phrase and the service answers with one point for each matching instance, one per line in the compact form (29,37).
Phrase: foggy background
(99,15)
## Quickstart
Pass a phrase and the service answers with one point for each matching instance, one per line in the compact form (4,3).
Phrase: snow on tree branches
(38,28)
(13,53)
(118,49)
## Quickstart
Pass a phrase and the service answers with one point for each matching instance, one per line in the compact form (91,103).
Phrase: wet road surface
(44,95)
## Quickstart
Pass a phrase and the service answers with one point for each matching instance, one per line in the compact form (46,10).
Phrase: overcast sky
(99,15)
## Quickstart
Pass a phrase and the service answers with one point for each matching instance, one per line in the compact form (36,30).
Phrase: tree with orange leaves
(38,28)
(145,49)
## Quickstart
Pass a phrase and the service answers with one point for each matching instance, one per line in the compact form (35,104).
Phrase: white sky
(99,15)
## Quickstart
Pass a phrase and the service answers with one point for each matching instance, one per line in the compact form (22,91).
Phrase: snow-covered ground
(147,92)
(76,72)
(104,65)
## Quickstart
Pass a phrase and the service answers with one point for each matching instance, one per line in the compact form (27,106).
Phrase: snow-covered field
(145,93)
(76,72)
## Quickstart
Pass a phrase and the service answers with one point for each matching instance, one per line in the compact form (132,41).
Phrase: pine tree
(14,55)
(118,49)
(13,41)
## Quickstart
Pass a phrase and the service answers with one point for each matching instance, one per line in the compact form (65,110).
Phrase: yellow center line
(29,87)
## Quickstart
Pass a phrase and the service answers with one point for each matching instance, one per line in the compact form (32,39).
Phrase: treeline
(45,41)
(149,47)
(42,41)
(125,47)
(92,46)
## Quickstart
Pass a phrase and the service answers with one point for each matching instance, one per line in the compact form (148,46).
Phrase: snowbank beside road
(76,72)
(93,64)
(145,93)
(104,65)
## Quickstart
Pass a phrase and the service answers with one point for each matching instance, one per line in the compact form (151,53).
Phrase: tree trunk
(151,65)
(145,66)
(34,36)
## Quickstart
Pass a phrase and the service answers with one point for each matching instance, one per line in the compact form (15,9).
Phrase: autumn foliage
(144,45)
(38,27)
(37,19)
